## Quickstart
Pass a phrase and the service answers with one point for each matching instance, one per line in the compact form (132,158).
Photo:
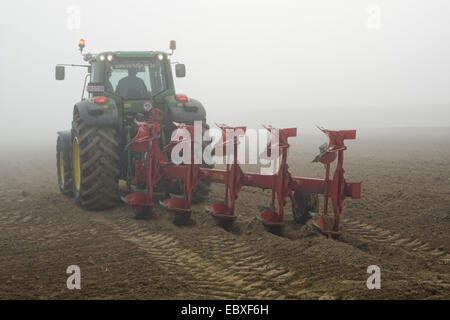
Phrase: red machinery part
(283,185)
(147,171)
(223,213)
(188,172)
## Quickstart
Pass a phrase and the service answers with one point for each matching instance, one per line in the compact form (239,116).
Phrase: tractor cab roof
(128,54)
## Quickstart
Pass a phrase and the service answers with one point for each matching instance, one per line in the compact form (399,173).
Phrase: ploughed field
(400,224)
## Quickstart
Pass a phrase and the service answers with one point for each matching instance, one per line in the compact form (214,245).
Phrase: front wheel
(95,165)
(64,162)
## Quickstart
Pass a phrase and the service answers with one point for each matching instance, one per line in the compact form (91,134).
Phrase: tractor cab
(134,82)
(120,89)
(131,83)
(132,75)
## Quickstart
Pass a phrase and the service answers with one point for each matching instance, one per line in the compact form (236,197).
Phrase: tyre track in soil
(310,269)
(325,268)
(219,264)
(28,222)
(216,266)
(382,236)
(407,282)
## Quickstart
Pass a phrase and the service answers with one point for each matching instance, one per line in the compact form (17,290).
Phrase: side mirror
(60,73)
(180,70)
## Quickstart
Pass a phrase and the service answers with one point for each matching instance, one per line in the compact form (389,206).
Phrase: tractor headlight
(110,57)
(102,57)
(160,56)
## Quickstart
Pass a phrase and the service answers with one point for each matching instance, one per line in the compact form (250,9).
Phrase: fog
(341,64)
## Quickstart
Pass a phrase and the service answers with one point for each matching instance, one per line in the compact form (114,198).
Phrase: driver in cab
(131,86)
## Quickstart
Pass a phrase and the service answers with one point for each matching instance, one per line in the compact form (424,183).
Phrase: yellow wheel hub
(76,164)
(61,167)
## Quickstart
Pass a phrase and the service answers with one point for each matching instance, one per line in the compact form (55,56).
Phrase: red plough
(301,191)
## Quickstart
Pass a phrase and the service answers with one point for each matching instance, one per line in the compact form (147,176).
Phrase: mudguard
(190,111)
(98,115)
(66,143)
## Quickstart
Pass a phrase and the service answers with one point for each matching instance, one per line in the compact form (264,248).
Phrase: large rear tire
(64,162)
(203,188)
(95,165)
(308,203)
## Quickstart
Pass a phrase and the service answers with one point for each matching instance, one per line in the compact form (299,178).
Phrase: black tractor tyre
(95,165)
(201,192)
(203,188)
(308,204)
(64,162)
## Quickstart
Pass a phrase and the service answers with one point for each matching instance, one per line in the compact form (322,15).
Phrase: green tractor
(120,87)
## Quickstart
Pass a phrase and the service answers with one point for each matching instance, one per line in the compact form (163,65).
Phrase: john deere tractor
(120,87)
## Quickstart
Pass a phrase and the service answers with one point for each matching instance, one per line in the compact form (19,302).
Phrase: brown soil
(401,224)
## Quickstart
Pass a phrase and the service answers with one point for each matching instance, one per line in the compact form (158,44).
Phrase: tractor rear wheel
(203,188)
(64,162)
(307,205)
(96,165)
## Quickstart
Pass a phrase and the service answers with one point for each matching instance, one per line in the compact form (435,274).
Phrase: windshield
(135,79)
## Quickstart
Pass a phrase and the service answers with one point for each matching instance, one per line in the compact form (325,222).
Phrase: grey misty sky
(294,62)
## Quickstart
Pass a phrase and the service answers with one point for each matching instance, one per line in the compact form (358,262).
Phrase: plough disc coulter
(302,192)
